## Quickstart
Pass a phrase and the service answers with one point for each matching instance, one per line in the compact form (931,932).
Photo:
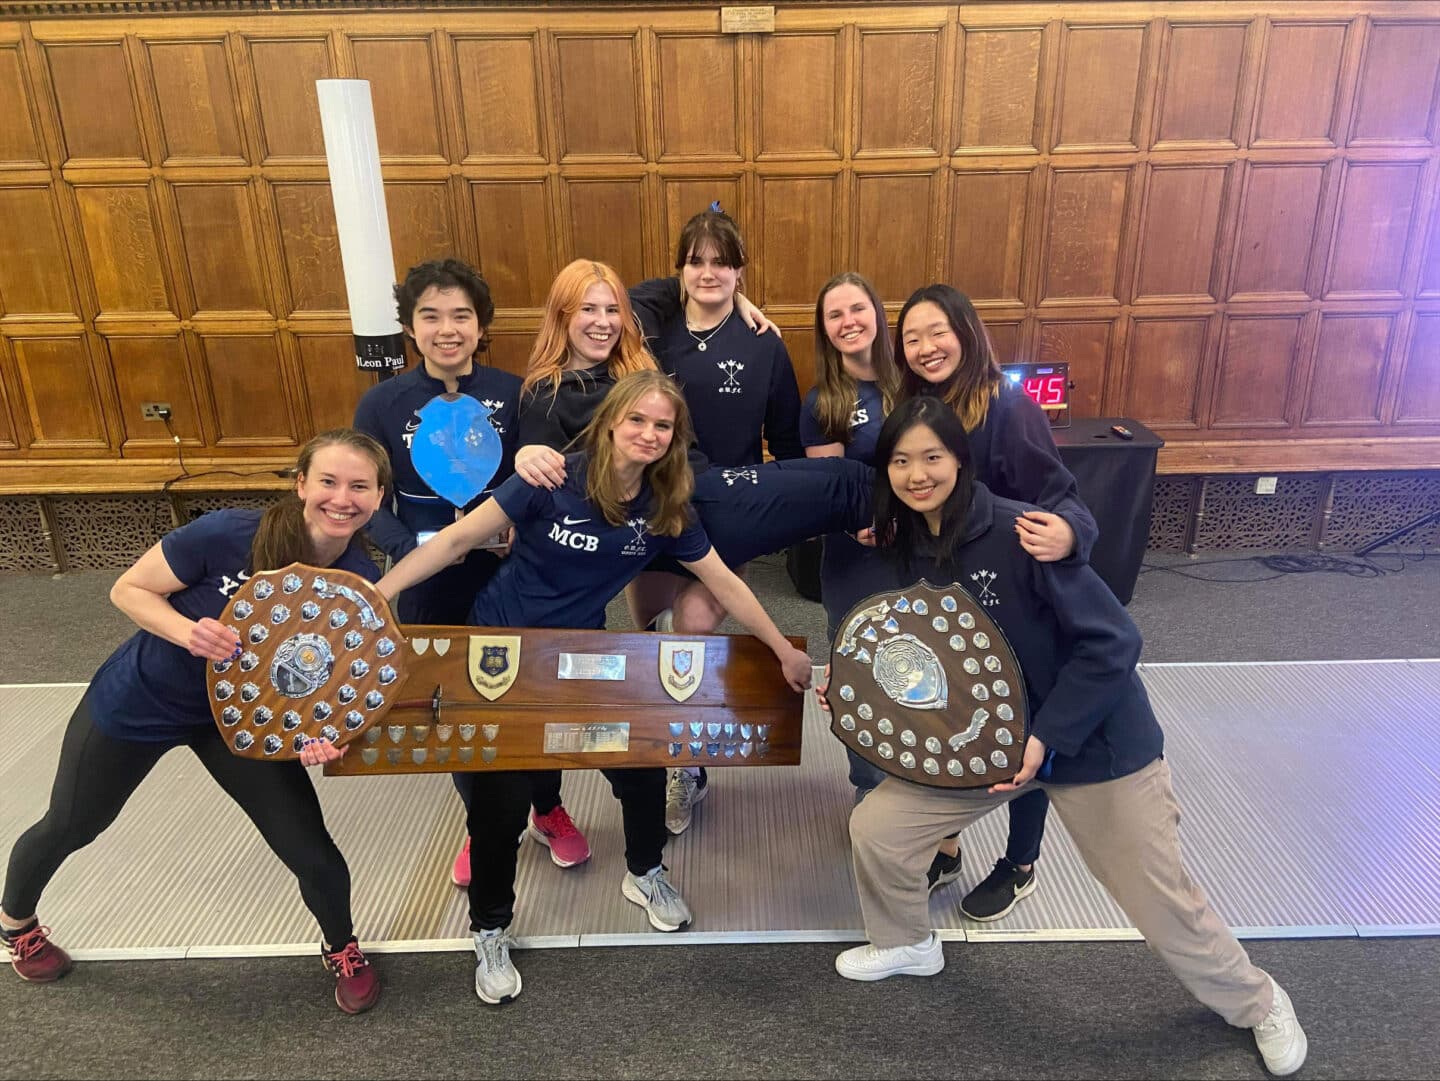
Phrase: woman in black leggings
(150,696)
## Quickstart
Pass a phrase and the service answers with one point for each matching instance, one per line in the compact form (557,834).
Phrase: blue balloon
(456,450)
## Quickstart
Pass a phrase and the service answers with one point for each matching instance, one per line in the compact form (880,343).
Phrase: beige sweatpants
(1127,831)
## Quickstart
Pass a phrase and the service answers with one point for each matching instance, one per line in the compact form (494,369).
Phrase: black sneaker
(943,870)
(997,895)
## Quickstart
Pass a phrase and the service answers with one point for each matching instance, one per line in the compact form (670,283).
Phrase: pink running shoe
(460,872)
(556,832)
(357,987)
(34,956)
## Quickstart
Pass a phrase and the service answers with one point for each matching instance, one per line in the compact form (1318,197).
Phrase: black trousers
(97,774)
(498,804)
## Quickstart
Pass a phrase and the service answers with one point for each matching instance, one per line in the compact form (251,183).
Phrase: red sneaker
(556,832)
(34,956)
(460,871)
(357,987)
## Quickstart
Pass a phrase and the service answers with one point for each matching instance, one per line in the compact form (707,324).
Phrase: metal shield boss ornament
(456,449)
(682,666)
(494,663)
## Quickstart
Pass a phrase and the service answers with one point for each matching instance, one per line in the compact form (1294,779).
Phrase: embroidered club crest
(456,449)
(494,663)
(682,666)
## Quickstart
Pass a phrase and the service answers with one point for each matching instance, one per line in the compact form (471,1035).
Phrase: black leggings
(497,807)
(97,774)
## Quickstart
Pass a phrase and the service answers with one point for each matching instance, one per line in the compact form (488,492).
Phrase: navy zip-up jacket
(1075,643)
(387,412)
(739,388)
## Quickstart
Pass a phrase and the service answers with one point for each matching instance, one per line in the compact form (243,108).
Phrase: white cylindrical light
(352,151)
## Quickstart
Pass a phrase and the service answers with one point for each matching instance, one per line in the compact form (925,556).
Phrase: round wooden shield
(322,657)
(924,685)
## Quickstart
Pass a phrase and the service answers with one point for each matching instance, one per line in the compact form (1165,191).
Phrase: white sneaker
(497,979)
(682,793)
(1279,1037)
(661,901)
(869,962)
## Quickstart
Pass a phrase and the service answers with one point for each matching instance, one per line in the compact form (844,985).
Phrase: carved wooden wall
(1223,215)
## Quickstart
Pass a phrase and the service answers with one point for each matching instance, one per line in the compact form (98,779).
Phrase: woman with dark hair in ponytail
(150,696)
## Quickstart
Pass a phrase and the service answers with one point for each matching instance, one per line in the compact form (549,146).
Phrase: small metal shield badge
(494,663)
(682,666)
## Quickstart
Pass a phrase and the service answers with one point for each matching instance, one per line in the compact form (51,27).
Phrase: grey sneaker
(497,979)
(1279,1037)
(682,793)
(662,903)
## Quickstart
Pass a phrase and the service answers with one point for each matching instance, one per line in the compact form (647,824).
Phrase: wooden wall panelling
(13,435)
(1419,393)
(596,81)
(1373,226)
(510,351)
(1300,84)
(990,215)
(1202,86)
(219,236)
(894,238)
(1396,100)
(1084,233)
(1167,368)
(120,225)
(799,96)
(607,221)
(35,278)
(1085,344)
(1280,211)
(309,243)
(20,141)
(153,368)
(95,102)
(1000,104)
(1348,371)
(423,224)
(403,71)
(62,394)
(515,239)
(284,71)
(899,101)
(697,101)
(1179,241)
(1101,89)
(804,225)
(253,395)
(498,97)
(196,101)
(1255,371)
(333,385)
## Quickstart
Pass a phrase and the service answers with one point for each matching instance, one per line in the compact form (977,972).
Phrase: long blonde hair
(671,481)
(282,537)
(837,391)
(552,344)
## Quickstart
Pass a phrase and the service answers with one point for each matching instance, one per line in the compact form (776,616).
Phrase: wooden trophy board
(480,698)
(322,657)
(924,685)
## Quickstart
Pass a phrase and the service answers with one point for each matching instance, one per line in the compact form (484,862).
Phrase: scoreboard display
(1048,385)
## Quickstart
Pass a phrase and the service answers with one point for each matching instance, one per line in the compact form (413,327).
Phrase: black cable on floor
(1291,563)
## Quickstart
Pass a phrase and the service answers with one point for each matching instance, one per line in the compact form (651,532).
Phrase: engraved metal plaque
(592,666)
(587,738)
(894,662)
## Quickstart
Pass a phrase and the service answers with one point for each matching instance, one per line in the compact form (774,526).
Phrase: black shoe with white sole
(997,895)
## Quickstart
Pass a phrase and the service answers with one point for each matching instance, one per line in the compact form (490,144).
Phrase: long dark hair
(977,380)
(835,401)
(896,525)
(282,538)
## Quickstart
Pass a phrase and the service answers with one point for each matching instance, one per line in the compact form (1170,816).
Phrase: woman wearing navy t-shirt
(623,502)
(150,696)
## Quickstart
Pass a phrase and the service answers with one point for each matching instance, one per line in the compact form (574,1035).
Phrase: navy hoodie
(1075,643)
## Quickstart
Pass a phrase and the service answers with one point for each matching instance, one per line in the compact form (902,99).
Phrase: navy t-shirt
(568,561)
(866,421)
(153,691)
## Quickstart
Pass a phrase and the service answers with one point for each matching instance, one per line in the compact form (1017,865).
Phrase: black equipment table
(1117,481)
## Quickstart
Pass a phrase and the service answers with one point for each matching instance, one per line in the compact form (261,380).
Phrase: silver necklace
(699,341)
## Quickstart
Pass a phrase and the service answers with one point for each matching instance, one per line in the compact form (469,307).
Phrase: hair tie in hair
(716,208)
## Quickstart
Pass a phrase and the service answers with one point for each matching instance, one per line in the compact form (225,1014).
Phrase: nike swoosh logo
(412,425)
(574,521)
